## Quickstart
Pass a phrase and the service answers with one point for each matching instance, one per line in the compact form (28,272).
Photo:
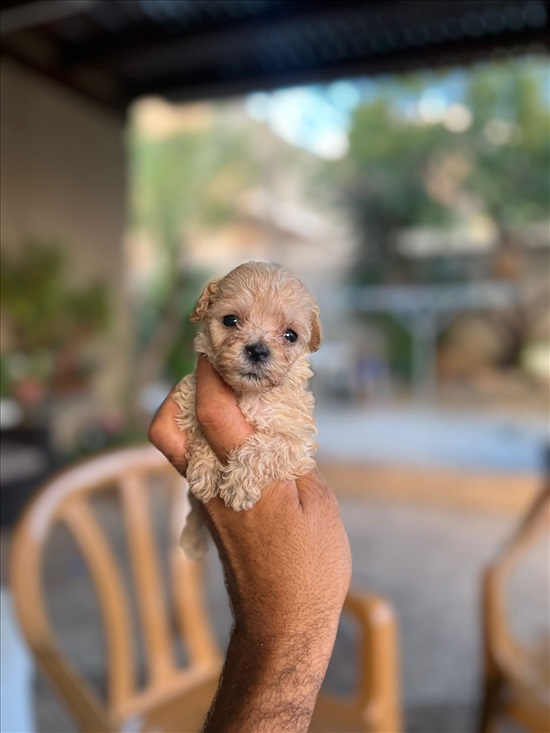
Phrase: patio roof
(114,51)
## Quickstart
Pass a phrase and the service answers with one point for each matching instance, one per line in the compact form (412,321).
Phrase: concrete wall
(63,180)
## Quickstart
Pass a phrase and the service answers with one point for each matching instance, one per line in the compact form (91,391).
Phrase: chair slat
(80,519)
(147,577)
(187,590)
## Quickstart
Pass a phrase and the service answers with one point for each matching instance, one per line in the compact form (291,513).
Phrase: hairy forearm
(269,686)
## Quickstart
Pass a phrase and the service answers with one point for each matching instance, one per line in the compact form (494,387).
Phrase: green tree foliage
(43,310)
(48,317)
(392,177)
(510,142)
(184,180)
(385,191)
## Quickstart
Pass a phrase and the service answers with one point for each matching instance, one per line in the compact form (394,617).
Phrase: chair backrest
(66,499)
(501,645)
(515,679)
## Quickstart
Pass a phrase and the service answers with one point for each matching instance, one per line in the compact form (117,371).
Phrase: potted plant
(49,320)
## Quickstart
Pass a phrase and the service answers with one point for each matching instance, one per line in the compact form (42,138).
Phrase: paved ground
(425,559)
(422,436)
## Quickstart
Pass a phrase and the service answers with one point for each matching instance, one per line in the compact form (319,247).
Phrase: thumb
(219,416)
(166,436)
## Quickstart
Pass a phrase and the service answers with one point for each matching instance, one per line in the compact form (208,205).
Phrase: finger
(220,418)
(165,435)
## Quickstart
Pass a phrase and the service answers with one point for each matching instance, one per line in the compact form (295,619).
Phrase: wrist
(302,650)
(269,684)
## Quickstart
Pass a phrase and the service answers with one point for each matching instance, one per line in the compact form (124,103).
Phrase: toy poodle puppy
(257,325)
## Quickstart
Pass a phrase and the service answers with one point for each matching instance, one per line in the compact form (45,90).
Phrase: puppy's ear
(316,336)
(204,301)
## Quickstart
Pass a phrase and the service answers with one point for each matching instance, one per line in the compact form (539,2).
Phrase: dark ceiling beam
(151,37)
(211,48)
(288,43)
(242,45)
(25,15)
(94,86)
(209,82)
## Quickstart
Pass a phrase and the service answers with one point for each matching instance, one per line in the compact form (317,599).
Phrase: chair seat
(333,714)
(536,669)
(529,672)
(183,713)
(527,692)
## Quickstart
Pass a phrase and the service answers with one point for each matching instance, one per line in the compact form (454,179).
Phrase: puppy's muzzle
(257,353)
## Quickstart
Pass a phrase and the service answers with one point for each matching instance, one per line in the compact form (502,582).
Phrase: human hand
(287,566)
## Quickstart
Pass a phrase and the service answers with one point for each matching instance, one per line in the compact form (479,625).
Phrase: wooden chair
(516,678)
(173,699)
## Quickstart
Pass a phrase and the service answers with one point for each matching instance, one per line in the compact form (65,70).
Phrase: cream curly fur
(272,394)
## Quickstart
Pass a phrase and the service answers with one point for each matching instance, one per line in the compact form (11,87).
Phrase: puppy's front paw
(202,478)
(239,490)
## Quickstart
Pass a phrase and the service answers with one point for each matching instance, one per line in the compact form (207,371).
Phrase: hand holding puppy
(257,326)
(287,566)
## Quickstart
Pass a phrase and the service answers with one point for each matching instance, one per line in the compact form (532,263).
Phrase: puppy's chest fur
(282,446)
(281,410)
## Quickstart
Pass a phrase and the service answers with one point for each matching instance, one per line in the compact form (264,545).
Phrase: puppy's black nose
(257,352)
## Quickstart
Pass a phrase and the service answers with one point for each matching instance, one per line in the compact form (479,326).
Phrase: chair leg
(490,706)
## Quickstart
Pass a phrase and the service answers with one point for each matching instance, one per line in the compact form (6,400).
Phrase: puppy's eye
(230,321)
(291,335)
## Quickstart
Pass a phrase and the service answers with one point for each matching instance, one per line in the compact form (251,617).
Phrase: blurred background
(396,157)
